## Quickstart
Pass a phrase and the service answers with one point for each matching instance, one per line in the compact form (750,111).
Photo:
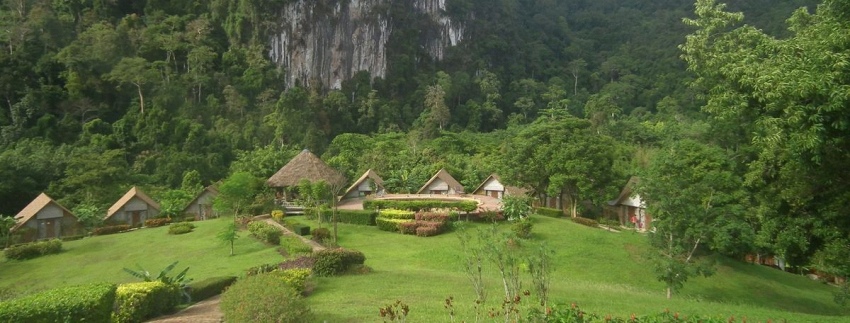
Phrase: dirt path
(208,311)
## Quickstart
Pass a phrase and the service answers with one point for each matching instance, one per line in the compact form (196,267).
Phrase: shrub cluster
(261,269)
(418,205)
(136,302)
(550,212)
(110,229)
(265,232)
(181,228)
(157,222)
(359,217)
(302,262)
(585,221)
(33,249)
(209,287)
(435,216)
(330,262)
(263,298)
(397,214)
(489,216)
(422,228)
(278,215)
(391,225)
(320,234)
(295,278)
(522,229)
(85,303)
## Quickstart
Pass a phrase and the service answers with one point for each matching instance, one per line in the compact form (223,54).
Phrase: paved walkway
(209,311)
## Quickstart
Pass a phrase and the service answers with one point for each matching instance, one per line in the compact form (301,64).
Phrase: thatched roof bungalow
(44,218)
(369,183)
(492,186)
(201,205)
(441,183)
(630,207)
(133,208)
(305,165)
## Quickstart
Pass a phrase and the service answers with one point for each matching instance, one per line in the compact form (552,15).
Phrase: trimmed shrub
(302,230)
(265,232)
(391,225)
(110,229)
(209,287)
(550,212)
(157,222)
(295,278)
(397,214)
(408,227)
(278,215)
(302,262)
(427,231)
(261,269)
(85,303)
(522,229)
(412,227)
(359,217)
(330,262)
(434,217)
(33,249)
(585,221)
(320,234)
(180,228)
(417,205)
(263,298)
(136,302)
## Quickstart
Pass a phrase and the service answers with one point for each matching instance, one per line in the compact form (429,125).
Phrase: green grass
(102,258)
(603,272)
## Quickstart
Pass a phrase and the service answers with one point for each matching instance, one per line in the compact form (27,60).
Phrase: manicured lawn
(102,258)
(603,272)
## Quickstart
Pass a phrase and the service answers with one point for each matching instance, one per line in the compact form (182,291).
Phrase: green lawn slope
(102,258)
(603,272)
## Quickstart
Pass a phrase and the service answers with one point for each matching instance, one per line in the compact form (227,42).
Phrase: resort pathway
(315,245)
(206,311)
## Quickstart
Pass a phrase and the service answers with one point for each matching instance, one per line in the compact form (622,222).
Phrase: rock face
(329,41)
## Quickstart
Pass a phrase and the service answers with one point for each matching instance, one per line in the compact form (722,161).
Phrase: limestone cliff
(329,41)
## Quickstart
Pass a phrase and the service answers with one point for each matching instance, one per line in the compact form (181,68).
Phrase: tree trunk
(231,247)
(669,293)
(141,97)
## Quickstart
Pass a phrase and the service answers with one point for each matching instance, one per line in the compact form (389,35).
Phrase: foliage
(395,312)
(89,215)
(110,229)
(180,280)
(6,225)
(181,228)
(516,207)
(320,234)
(419,205)
(263,298)
(33,249)
(397,214)
(331,262)
(137,302)
(277,215)
(236,192)
(84,303)
(295,278)
(265,232)
(157,222)
(586,222)
(228,235)
(302,262)
(172,202)
(545,211)
(391,225)
(293,245)
(261,269)
(522,228)
(203,289)
(302,230)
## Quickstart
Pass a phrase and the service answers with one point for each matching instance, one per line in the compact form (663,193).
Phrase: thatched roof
(509,190)
(33,208)
(379,182)
(626,192)
(133,192)
(446,177)
(306,166)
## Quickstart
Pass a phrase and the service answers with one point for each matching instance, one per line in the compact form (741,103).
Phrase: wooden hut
(492,186)
(369,183)
(133,208)
(630,208)
(307,166)
(201,206)
(44,218)
(441,183)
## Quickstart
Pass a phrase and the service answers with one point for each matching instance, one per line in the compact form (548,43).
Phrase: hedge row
(85,303)
(136,302)
(180,228)
(209,287)
(418,205)
(359,217)
(265,232)
(550,212)
(33,249)
(585,221)
(331,262)
(110,229)
(397,214)
(422,228)
(157,222)
(436,216)
(390,225)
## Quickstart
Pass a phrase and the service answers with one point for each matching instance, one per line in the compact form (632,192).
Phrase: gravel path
(208,311)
